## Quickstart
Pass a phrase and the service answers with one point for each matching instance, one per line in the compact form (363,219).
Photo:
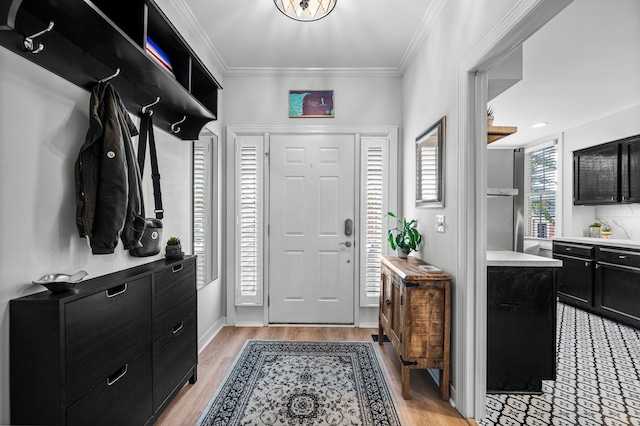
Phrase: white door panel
(312,193)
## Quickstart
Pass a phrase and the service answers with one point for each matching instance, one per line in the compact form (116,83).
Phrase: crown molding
(421,34)
(313,72)
(190,22)
(183,11)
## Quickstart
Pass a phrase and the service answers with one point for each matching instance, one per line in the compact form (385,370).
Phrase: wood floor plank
(424,408)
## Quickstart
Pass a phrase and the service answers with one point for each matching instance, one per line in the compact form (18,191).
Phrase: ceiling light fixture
(305,10)
(541,124)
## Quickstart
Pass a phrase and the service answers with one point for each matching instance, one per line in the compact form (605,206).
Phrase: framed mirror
(430,166)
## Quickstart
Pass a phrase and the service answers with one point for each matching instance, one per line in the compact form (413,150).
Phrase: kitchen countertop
(517,259)
(612,242)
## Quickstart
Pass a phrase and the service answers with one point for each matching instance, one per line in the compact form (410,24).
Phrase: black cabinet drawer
(175,354)
(103,331)
(577,250)
(619,293)
(619,257)
(575,280)
(122,398)
(174,296)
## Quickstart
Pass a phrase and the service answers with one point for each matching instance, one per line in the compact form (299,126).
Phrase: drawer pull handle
(568,249)
(118,375)
(177,268)
(115,291)
(622,257)
(178,327)
(388,303)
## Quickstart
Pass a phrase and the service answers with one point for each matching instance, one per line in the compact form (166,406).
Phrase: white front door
(311,257)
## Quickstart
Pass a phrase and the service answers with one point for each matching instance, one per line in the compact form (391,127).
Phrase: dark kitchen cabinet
(595,175)
(575,280)
(91,39)
(618,289)
(630,166)
(602,279)
(607,173)
(114,350)
(521,328)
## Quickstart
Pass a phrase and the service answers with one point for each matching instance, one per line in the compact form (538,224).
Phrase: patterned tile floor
(598,378)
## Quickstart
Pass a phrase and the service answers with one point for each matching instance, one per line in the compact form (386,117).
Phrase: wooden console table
(415,314)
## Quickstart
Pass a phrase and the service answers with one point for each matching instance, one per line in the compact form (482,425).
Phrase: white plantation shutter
(428,179)
(205,209)
(374,169)
(541,180)
(249,211)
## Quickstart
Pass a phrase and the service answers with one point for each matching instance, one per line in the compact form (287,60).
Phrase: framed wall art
(311,103)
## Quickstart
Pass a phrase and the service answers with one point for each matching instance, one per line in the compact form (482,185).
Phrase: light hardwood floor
(424,408)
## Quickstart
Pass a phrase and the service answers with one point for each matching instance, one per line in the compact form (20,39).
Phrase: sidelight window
(205,208)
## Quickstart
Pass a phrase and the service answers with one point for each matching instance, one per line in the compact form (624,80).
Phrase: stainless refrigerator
(505,199)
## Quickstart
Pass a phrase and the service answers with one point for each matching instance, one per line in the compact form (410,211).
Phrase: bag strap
(146,128)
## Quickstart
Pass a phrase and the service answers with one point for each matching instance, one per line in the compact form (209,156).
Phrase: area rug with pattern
(303,383)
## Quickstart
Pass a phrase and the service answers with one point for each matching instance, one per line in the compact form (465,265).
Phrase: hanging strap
(146,128)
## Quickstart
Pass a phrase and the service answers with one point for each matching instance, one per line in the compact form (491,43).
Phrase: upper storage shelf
(90,40)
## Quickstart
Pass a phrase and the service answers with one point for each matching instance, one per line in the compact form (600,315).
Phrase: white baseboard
(368,325)
(249,324)
(211,333)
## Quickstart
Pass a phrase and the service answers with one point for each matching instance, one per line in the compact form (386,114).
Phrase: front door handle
(346,243)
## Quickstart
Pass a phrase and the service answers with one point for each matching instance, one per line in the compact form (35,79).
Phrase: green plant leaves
(407,237)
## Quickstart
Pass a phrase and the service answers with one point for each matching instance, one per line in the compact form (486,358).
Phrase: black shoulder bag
(152,234)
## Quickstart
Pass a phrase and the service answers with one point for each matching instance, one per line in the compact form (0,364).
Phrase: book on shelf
(159,55)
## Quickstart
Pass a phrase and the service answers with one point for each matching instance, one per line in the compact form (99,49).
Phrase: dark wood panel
(575,280)
(618,293)
(103,331)
(575,250)
(521,328)
(122,398)
(174,357)
(35,351)
(174,296)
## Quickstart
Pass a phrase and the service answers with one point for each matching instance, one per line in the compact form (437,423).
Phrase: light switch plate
(440,223)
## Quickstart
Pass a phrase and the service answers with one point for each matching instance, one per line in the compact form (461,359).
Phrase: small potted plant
(405,237)
(594,229)
(490,116)
(606,232)
(174,249)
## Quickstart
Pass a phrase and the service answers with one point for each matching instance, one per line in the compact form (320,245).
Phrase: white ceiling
(358,34)
(581,66)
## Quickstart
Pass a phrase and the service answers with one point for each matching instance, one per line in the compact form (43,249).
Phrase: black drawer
(105,330)
(122,398)
(619,257)
(576,250)
(174,296)
(175,354)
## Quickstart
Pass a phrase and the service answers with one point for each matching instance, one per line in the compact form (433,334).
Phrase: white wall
(624,219)
(43,123)
(359,100)
(430,91)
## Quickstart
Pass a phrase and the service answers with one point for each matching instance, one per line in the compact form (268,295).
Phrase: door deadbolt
(348,227)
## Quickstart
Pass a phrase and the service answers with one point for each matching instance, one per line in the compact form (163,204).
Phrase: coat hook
(174,126)
(36,47)
(110,77)
(146,107)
